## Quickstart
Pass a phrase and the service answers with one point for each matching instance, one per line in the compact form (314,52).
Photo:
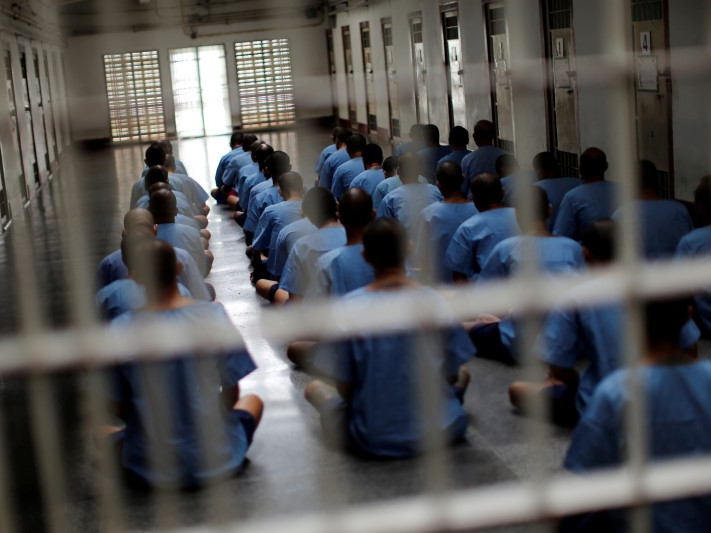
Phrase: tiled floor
(289,469)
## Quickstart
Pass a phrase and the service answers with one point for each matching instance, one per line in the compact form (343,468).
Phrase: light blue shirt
(176,450)
(437,225)
(430,157)
(584,205)
(112,268)
(124,295)
(285,242)
(345,174)
(259,203)
(474,240)
(698,244)
(481,160)
(273,220)
(677,425)
(594,334)
(660,224)
(187,238)
(556,189)
(245,173)
(192,190)
(409,147)
(250,183)
(407,202)
(368,180)
(299,273)
(384,188)
(224,161)
(229,177)
(335,160)
(342,270)
(385,413)
(455,156)
(325,154)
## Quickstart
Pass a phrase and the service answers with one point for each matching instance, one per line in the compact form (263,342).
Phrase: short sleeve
(495,266)
(263,233)
(565,224)
(561,339)
(459,256)
(290,278)
(384,209)
(379,194)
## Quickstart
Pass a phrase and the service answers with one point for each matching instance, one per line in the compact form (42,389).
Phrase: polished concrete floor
(289,470)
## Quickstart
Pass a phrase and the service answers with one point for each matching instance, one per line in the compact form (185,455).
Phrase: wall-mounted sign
(559,48)
(645,43)
(561,73)
(647,74)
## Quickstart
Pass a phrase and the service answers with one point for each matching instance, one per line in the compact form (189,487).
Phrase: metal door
(369,76)
(39,100)
(350,80)
(653,88)
(28,118)
(563,124)
(14,120)
(500,75)
(455,77)
(391,80)
(418,54)
(49,106)
(332,70)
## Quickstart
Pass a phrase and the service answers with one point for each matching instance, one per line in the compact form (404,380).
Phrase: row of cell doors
(651,90)
(37,132)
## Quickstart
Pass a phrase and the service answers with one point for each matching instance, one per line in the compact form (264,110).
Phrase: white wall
(88,102)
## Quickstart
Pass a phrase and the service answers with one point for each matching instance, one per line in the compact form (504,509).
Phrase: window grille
(647,10)
(265,83)
(133,87)
(559,14)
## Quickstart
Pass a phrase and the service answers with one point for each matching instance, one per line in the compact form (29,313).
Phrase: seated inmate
(374,408)
(186,424)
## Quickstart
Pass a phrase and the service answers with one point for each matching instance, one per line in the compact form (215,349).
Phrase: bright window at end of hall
(265,83)
(133,88)
(199,80)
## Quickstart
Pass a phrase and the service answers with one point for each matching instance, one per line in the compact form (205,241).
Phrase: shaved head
(487,191)
(162,205)
(355,208)
(593,163)
(137,219)
(410,168)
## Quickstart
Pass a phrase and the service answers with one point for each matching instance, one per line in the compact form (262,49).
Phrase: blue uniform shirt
(368,180)
(112,268)
(325,154)
(437,225)
(698,244)
(343,270)
(124,295)
(476,238)
(257,205)
(582,206)
(594,334)
(385,413)
(345,174)
(187,238)
(192,190)
(246,188)
(184,208)
(275,218)
(334,161)
(409,147)
(231,174)
(455,156)
(298,275)
(481,160)
(678,424)
(407,202)
(224,161)
(384,188)
(430,157)
(556,189)
(245,173)
(285,242)
(661,224)
(176,451)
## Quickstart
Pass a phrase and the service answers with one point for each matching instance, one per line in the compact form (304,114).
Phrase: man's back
(185,237)
(164,441)
(481,160)
(258,203)
(275,218)
(342,270)
(330,166)
(556,189)
(345,174)
(678,425)
(384,188)
(476,238)
(286,239)
(368,180)
(407,202)
(661,224)
(584,205)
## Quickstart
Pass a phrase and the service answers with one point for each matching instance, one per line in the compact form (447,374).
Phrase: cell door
(49,106)
(653,88)
(14,120)
(418,54)
(564,130)
(391,80)
(32,153)
(332,70)
(350,77)
(369,76)
(40,107)
(455,72)
(500,76)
